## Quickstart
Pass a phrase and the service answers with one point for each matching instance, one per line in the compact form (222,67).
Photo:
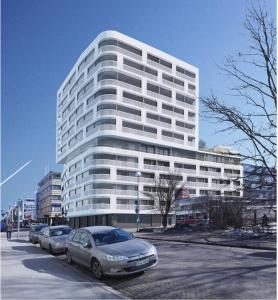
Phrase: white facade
(128,107)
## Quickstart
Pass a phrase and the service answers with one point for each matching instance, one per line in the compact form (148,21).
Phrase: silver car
(109,251)
(53,238)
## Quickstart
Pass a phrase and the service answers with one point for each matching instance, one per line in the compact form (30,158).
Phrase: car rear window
(39,228)
(60,231)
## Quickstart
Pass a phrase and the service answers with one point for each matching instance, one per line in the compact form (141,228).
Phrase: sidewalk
(27,272)
(216,238)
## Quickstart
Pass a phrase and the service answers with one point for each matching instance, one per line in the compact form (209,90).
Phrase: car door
(45,237)
(75,245)
(85,249)
(41,236)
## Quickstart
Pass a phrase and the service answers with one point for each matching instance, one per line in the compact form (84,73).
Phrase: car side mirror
(87,245)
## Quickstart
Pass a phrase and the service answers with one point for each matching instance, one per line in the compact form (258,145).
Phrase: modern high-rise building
(49,198)
(127,107)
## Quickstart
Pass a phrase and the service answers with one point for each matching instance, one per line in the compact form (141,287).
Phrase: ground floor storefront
(117,220)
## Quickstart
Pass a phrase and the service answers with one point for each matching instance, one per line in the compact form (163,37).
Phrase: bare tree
(164,192)
(253,79)
(202,144)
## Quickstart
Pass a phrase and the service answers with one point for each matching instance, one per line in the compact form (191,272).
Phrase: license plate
(142,262)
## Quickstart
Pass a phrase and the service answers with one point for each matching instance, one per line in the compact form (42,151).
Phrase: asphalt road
(189,271)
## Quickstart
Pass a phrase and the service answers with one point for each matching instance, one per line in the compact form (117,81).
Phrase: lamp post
(137,209)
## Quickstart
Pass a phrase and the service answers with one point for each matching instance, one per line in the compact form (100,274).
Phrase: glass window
(150,102)
(111,237)
(153,58)
(133,64)
(153,88)
(60,231)
(165,63)
(130,48)
(84,238)
(76,237)
(165,92)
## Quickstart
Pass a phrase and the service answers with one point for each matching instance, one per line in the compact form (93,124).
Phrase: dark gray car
(53,238)
(35,232)
(110,251)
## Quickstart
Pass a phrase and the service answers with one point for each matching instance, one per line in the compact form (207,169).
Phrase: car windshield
(111,237)
(60,231)
(39,228)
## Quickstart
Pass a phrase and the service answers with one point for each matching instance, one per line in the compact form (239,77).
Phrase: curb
(112,291)
(210,244)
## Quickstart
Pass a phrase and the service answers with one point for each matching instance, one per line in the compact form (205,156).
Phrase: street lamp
(137,209)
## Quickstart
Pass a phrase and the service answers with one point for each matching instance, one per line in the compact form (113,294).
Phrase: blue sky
(41,40)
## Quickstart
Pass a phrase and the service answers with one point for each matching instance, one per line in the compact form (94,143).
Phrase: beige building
(49,198)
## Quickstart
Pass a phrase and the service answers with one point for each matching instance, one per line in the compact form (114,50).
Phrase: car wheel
(97,269)
(68,257)
(50,249)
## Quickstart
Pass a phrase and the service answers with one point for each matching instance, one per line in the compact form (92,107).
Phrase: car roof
(59,227)
(34,225)
(97,229)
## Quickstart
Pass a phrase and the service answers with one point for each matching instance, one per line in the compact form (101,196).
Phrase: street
(184,271)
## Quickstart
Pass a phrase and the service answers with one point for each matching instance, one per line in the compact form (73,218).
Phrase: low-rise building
(49,198)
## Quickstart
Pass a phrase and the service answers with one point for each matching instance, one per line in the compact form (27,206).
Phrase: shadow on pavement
(269,254)
(122,278)
(28,249)
(14,240)
(50,266)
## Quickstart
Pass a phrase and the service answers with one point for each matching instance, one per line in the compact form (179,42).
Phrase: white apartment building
(127,107)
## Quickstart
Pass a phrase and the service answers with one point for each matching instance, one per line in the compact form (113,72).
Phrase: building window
(159,90)
(120,77)
(113,42)
(159,61)
(185,72)
(172,80)
(185,99)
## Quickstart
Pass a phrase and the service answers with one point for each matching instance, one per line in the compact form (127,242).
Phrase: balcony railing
(155,167)
(209,173)
(132,207)
(113,112)
(100,128)
(157,65)
(120,83)
(185,77)
(155,122)
(156,95)
(108,63)
(111,162)
(104,49)
(139,132)
(187,171)
(127,178)
(191,183)
(172,139)
(172,84)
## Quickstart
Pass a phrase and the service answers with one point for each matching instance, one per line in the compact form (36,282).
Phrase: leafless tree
(164,192)
(253,82)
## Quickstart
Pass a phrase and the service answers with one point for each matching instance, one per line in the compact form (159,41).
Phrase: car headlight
(115,258)
(153,250)
(58,244)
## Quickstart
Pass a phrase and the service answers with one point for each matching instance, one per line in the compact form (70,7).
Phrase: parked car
(53,238)
(35,231)
(109,251)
